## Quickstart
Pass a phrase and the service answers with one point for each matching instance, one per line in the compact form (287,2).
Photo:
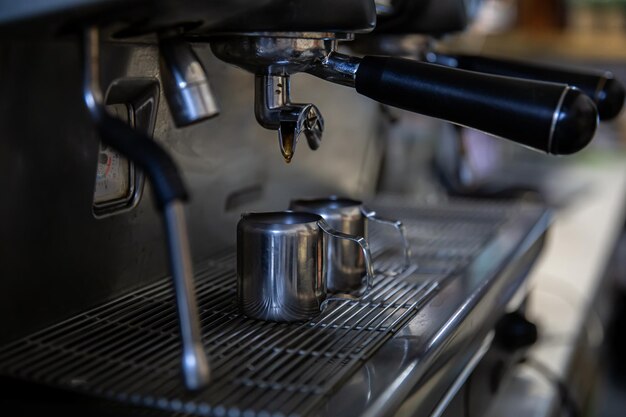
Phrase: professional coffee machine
(122,101)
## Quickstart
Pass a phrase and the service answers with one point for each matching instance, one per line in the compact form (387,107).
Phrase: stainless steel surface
(186,84)
(463,376)
(273,57)
(92,92)
(276,53)
(282,265)
(337,68)
(288,53)
(411,373)
(367,257)
(371,215)
(126,350)
(346,264)
(384,7)
(398,350)
(274,110)
(194,363)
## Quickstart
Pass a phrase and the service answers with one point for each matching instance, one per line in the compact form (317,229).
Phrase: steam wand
(170,194)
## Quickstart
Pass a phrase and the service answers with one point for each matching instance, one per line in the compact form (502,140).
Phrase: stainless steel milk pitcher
(345,262)
(282,265)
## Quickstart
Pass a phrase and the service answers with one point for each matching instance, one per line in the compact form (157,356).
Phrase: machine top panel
(137,17)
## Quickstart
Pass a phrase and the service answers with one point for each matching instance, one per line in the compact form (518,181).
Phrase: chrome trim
(601,83)
(195,363)
(92,93)
(465,373)
(186,84)
(337,68)
(301,35)
(555,117)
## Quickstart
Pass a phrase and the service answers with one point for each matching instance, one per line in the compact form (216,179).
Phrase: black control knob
(514,332)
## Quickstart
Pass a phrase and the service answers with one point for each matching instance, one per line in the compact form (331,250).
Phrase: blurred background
(584,33)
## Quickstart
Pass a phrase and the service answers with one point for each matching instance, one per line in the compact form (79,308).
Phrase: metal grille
(128,349)
(444,238)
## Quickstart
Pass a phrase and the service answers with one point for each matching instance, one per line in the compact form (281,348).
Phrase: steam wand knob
(186,84)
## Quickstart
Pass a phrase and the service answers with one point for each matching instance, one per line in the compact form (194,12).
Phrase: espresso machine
(146,129)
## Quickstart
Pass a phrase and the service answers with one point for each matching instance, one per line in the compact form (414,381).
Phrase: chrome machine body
(92,231)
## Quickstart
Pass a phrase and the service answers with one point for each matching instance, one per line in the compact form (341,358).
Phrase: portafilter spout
(170,194)
(273,59)
(274,110)
(551,117)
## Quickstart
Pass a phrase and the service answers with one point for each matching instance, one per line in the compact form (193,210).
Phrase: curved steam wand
(170,194)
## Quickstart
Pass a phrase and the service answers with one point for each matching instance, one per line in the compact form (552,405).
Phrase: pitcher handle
(397,224)
(369,270)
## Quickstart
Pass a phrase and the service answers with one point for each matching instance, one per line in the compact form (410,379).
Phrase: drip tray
(128,350)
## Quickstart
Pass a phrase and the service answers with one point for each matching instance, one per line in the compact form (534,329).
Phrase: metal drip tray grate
(128,349)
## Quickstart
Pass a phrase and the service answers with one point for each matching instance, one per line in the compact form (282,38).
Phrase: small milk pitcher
(345,262)
(282,265)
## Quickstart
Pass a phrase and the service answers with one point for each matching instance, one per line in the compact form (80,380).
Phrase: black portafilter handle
(550,117)
(601,86)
